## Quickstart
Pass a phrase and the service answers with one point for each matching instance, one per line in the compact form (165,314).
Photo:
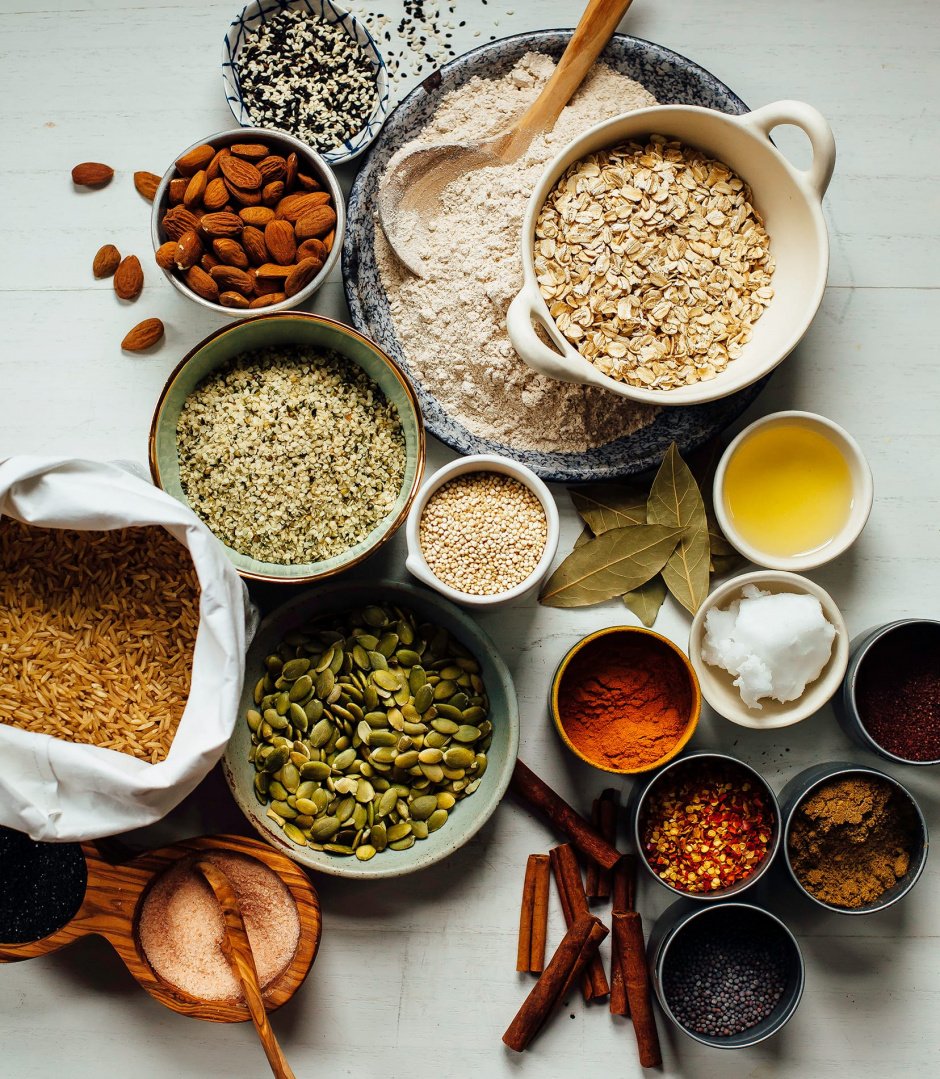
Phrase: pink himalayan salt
(181,926)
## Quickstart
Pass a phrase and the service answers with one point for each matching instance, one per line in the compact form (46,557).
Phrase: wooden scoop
(237,950)
(415,178)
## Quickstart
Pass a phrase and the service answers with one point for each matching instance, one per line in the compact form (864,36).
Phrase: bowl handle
(817,130)
(524,308)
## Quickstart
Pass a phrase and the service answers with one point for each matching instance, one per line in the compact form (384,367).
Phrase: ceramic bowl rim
(380,68)
(739,887)
(837,769)
(401,377)
(795,961)
(658,641)
(862,485)
(817,694)
(481,462)
(859,654)
(351,868)
(225,138)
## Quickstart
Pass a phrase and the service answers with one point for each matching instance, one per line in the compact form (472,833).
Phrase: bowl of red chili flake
(707,826)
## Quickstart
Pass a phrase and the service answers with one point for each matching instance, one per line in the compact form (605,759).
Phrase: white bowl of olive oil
(793,491)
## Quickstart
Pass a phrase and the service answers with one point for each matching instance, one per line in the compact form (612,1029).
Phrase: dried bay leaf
(606,506)
(675,501)
(646,600)
(616,562)
(584,536)
(722,564)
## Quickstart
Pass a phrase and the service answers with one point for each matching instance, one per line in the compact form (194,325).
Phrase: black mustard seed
(41,886)
(725,973)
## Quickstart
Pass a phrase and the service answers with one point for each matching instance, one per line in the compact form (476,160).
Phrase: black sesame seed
(41,886)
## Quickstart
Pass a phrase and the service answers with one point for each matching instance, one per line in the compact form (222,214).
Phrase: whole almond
(244,196)
(230,252)
(308,183)
(267,301)
(92,174)
(279,238)
(147,184)
(195,189)
(189,250)
(231,278)
(144,335)
(262,286)
(295,206)
(290,175)
(166,255)
(241,173)
(301,276)
(255,247)
(216,195)
(209,260)
(316,222)
(233,299)
(129,278)
(328,240)
(177,190)
(213,171)
(197,158)
(106,261)
(254,150)
(221,224)
(272,168)
(312,249)
(202,284)
(270,271)
(272,193)
(256,215)
(178,220)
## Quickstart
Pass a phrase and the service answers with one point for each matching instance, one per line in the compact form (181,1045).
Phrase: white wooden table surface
(415,979)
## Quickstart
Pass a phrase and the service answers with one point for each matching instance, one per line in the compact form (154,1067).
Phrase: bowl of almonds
(247,221)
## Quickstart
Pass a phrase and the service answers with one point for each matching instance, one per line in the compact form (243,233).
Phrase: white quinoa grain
(483,533)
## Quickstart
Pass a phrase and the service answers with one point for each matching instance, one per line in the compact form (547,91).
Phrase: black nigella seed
(725,972)
(41,886)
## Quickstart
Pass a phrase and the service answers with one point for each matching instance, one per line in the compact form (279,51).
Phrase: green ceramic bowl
(291,328)
(470,814)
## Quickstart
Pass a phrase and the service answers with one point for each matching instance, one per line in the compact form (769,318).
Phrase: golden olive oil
(788,489)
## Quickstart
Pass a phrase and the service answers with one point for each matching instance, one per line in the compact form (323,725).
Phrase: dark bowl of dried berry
(890,697)
(728,975)
(308,67)
(707,826)
(248,221)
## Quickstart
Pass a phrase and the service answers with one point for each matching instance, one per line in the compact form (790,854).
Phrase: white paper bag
(58,790)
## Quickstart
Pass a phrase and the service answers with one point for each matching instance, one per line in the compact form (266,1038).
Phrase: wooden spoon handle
(237,949)
(599,21)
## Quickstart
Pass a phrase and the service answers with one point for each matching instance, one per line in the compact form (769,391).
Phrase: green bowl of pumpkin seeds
(377,730)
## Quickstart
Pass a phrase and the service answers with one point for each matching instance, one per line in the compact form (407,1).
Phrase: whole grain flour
(452,324)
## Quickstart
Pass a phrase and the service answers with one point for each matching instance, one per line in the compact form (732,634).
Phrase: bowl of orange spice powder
(625,700)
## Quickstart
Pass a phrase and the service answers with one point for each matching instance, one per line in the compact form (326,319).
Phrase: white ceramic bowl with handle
(789,200)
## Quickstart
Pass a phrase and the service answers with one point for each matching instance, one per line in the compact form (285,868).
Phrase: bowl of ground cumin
(855,838)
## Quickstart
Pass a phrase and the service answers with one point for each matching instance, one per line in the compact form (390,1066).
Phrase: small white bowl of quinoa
(483,531)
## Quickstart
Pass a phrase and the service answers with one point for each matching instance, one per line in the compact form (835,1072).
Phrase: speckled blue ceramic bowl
(672,79)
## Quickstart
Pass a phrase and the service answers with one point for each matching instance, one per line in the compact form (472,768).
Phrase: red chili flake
(686,808)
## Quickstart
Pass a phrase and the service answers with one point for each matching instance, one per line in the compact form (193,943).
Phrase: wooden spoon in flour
(416,177)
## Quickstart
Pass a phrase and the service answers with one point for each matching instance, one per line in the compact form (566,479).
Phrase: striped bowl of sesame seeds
(310,68)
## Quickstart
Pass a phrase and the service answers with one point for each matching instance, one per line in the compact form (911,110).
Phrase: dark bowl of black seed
(42,885)
(310,68)
(728,975)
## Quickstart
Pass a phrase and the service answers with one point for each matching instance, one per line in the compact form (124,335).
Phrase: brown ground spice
(852,840)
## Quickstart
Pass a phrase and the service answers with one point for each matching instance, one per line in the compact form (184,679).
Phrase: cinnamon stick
(533,917)
(580,943)
(537,794)
(623,892)
(628,932)
(574,904)
(604,818)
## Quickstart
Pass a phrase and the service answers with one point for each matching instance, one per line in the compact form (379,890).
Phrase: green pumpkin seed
(282,703)
(403,844)
(321,799)
(416,678)
(321,734)
(460,701)
(382,738)
(467,733)
(338,848)
(364,852)
(361,657)
(419,829)
(307,806)
(444,690)
(326,683)
(453,773)
(336,663)
(445,800)
(375,617)
(387,802)
(437,820)
(435,740)
(407,657)
(325,828)
(274,664)
(422,808)
(359,820)
(306,789)
(317,770)
(346,808)
(424,698)
(473,715)
(377,661)
(282,809)
(276,759)
(445,726)
(387,680)
(294,834)
(294,668)
(276,817)
(430,756)
(278,791)
(325,660)
(378,836)
(399,831)
(448,711)
(313,710)
(346,785)
(290,777)
(459,757)
(384,755)
(406,760)
(365,792)
(434,772)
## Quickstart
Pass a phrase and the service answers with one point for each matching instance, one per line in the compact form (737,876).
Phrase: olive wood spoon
(237,950)
(415,178)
